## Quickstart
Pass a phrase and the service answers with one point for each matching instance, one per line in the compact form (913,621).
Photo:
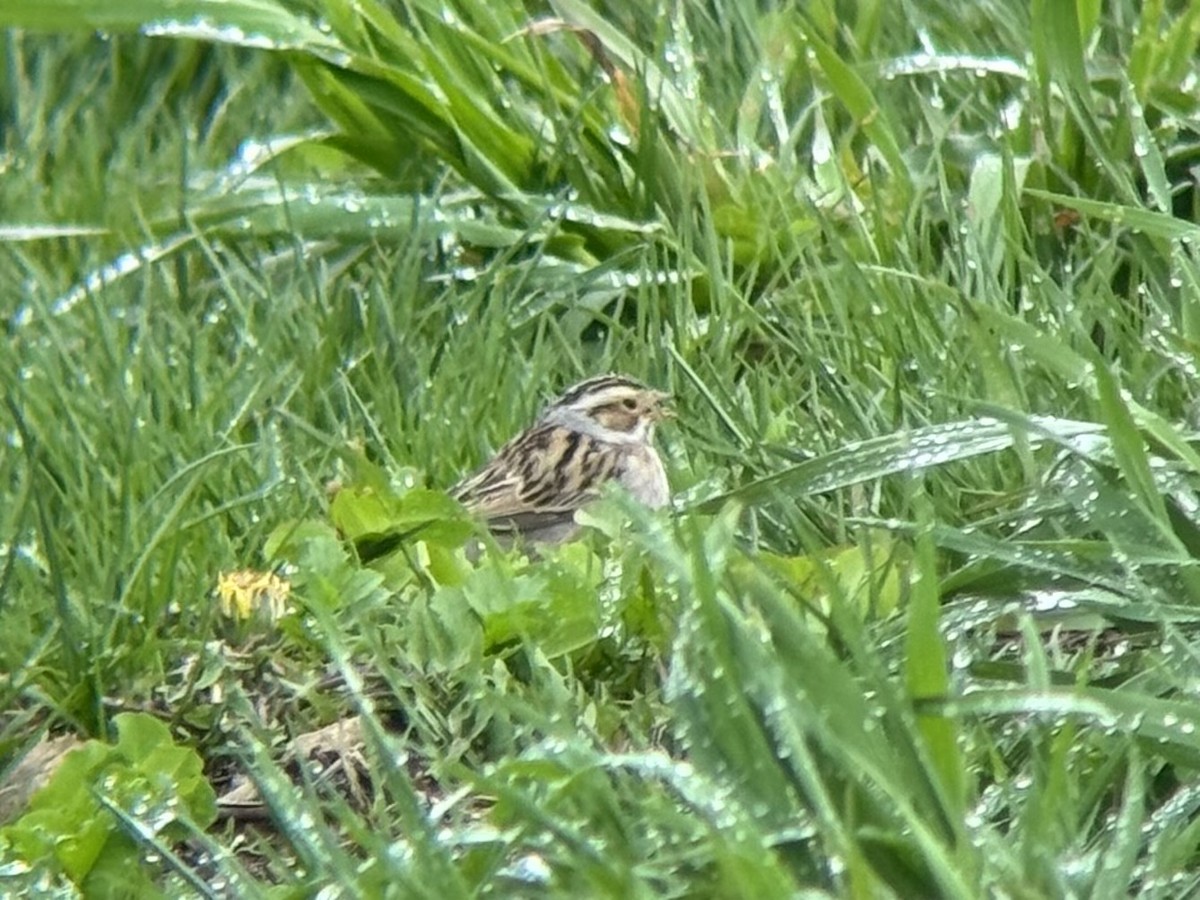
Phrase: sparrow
(597,431)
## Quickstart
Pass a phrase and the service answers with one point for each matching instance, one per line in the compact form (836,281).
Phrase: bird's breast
(644,477)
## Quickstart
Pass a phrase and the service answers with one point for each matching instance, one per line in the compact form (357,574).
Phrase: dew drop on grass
(205,29)
(530,869)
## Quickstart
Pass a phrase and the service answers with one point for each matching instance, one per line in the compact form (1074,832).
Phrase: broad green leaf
(892,454)
(926,669)
(1155,224)
(260,24)
(1130,452)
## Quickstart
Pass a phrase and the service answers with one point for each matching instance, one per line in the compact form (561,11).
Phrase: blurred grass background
(923,280)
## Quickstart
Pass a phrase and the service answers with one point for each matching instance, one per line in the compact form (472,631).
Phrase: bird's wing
(537,480)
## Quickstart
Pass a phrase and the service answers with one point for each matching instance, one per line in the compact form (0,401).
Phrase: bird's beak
(662,406)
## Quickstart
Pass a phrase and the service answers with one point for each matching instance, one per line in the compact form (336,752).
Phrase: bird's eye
(629,403)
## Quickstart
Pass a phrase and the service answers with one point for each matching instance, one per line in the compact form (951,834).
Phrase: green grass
(923,281)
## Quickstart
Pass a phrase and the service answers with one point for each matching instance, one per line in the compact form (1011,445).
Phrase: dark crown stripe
(599,383)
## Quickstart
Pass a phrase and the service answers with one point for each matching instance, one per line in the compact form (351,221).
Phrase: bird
(598,431)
